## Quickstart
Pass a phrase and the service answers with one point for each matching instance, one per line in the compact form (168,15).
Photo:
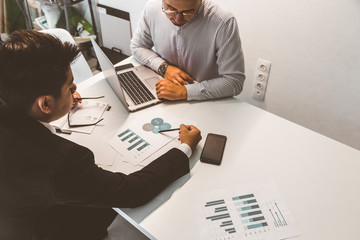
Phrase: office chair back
(79,67)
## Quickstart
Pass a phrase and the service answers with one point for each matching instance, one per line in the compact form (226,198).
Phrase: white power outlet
(262,73)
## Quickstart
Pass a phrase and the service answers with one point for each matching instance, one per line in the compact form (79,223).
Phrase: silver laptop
(135,87)
(128,229)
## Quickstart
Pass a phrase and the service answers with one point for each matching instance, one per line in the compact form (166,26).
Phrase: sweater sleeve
(230,62)
(142,43)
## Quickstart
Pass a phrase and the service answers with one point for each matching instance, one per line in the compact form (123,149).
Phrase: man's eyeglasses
(85,124)
(81,125)
(173,12)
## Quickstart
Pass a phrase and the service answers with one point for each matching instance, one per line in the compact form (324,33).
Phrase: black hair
(33,64)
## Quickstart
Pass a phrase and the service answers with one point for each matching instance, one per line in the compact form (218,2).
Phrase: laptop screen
(109,72)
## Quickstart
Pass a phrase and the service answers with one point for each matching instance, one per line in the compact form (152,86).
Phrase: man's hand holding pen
(190,135)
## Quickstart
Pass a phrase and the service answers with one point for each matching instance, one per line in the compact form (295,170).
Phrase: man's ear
(43,103)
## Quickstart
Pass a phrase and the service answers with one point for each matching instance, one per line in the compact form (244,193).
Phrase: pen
(82,98)
(169,130)
(173,129)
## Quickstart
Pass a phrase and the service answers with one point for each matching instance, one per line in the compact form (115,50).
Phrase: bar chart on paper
(235,217)
(133,143)
(249,215)
(252,218)
(219,220)
(137,140)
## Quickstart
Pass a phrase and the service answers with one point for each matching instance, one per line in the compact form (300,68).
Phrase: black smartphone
(213,149)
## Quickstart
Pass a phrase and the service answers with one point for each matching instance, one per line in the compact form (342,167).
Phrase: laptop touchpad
(151,82)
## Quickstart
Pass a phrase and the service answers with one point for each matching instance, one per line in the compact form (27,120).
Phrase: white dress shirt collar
(48,126)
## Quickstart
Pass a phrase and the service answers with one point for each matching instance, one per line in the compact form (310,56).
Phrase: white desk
(317,176)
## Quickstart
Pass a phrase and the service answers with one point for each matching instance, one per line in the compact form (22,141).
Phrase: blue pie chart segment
(157,121)
(156,130)
(165,126)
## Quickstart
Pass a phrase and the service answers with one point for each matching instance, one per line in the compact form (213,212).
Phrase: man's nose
(178,17)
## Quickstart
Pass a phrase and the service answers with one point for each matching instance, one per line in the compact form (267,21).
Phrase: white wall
(314,49)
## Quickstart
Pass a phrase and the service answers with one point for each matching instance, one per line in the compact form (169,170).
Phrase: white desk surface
(317,176)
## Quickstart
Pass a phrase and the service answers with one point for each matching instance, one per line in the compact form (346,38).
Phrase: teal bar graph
(127,137)
(226,223)
(250,213)
(212,203)
(230,230)
(218,217)
(221,209)
(242,203)
(135,145)
(143,146)
(133,139)
(240,216)
(249,208)
(250,220)
(256,226)
(243,197)
(123,133)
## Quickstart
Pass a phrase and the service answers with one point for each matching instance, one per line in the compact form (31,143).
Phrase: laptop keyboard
(135,88)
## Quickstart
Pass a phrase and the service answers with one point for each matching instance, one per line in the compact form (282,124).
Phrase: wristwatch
(162,69)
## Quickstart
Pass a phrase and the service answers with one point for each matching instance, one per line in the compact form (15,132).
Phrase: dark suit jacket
(50,188)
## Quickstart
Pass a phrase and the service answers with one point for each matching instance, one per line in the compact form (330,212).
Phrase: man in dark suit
(50,188)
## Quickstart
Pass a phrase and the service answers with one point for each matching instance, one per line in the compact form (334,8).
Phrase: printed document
(251,212)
